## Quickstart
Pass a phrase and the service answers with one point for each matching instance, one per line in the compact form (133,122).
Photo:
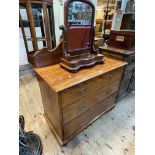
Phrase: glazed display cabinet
(36,21)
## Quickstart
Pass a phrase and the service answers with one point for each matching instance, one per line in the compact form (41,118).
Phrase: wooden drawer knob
(108,91)
(82,121)
(111,76)
(81,108)
(82,90)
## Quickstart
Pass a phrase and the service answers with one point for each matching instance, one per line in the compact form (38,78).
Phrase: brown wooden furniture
(36,21)
(76,48)
(78,36)
(118,48)
(122,39)
(73,101)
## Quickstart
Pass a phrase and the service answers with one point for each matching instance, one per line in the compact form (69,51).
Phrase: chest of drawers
(72,101)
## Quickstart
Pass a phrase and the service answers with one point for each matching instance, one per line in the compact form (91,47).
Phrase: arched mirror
(79,22)
(79,13)
(76,49)
(78,36)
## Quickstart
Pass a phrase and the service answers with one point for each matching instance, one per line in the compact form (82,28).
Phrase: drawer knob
(81,108)
(108,91)
(82,121)
(111,77)
(82,90)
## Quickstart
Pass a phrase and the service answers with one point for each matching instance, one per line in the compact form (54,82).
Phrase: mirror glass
(79,13)
(80,16)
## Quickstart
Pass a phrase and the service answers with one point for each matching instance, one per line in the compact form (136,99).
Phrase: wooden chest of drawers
(72,101)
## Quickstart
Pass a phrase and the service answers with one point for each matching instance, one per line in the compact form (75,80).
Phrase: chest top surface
(59,79)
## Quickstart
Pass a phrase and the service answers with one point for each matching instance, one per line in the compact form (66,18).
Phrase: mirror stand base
(75,65)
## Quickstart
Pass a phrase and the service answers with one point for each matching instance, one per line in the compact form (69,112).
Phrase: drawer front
(82,105)
(74,93)
(88,116)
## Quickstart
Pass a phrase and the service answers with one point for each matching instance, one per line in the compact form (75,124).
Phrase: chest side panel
(52,110)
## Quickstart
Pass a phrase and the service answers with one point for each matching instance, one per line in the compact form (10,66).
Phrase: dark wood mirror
(76,48)
(79,18)
(78,35)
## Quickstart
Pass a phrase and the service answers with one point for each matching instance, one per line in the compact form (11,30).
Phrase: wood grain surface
(80,106)
(111,134)
(81,90)
(59,79)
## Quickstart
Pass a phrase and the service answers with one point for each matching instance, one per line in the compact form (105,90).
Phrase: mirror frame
(66,12)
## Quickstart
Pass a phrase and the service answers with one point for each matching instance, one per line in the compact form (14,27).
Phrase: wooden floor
(111,134)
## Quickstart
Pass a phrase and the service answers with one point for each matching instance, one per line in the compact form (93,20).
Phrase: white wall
(58,17)
(59,20)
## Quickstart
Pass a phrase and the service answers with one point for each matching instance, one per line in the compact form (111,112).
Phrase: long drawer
(82,105)
(88,116)
(79,91)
